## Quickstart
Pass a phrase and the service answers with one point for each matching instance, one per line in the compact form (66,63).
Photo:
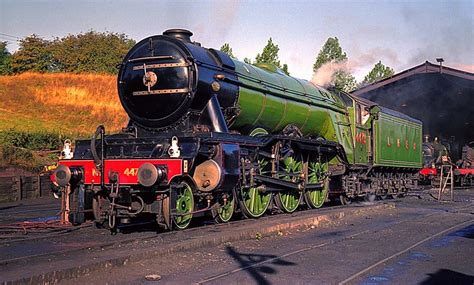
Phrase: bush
(29,150)
(31,140)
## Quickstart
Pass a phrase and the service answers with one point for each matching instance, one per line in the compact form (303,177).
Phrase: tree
(91,52)
(345,81)
(331,52)
(247,60)
(5,59)
(225,48)
(34,54)
(377,73)
(270,55)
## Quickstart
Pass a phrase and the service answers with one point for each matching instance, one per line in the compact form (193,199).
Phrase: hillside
(69,104)
(37,111)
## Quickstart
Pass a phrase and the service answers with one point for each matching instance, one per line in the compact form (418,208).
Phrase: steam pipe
(99,161)
(215,115)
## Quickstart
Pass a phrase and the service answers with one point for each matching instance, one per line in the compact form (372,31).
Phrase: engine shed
(441,97)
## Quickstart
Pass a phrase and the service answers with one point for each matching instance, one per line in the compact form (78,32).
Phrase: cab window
(362,114)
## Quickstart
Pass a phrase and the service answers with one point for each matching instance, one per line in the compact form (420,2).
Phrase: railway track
(88,241)
(346,237)
(94,238)
(120,240)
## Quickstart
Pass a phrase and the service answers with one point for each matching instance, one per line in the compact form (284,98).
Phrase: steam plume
(326,74)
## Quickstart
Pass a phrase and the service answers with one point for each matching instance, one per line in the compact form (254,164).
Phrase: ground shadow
(446,276)
(466,232)
(256,265)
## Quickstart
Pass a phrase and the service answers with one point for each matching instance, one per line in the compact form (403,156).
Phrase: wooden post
(38,186)
(17,184)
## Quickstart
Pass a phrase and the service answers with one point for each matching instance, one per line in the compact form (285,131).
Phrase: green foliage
(345,81)
(270,55)
(285,69)
(29,150)
(377,73)
(91,52)
(247,60)
(25,158)
(225,48)
(88,52)
(332,52)
(10,154)
(31,140)
(34,54)
(5,59)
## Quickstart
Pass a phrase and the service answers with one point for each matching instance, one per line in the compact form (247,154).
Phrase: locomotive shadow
(249,262)
(446,276)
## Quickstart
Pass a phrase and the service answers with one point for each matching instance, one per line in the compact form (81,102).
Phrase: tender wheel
(253,202)
(184,206)
(345,200)
(316,173)
(370,197)
(289,200)
(225,212)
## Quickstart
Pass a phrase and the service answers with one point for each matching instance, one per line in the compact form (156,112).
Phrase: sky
(401,34)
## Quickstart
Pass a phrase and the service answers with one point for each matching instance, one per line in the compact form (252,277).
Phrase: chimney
(180,34)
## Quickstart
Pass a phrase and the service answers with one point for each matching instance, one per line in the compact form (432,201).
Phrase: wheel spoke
(316,174)
(184,204)
(288,200)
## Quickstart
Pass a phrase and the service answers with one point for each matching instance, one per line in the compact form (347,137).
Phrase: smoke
(326,74)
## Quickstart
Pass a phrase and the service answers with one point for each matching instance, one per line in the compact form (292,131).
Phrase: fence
(16,188)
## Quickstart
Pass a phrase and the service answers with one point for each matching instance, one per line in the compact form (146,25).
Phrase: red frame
(126,168)
(428,171)
(464,171)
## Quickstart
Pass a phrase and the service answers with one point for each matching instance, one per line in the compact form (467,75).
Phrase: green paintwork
(272,100)
(184,204)
(361,149)
(289,200)
(253,202)
(397,142)
(316,171)
(225,212)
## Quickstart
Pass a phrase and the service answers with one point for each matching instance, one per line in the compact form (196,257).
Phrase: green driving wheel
(184,206)
(289,200)
(254,202)
(316,174)
(225,212)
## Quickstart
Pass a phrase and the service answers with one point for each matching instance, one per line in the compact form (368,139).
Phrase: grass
(69,104)
(42,108)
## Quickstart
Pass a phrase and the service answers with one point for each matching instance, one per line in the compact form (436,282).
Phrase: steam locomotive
(212,135)
(436,154)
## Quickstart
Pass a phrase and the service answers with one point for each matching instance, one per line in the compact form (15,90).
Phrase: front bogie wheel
(226,210)
(184,206)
